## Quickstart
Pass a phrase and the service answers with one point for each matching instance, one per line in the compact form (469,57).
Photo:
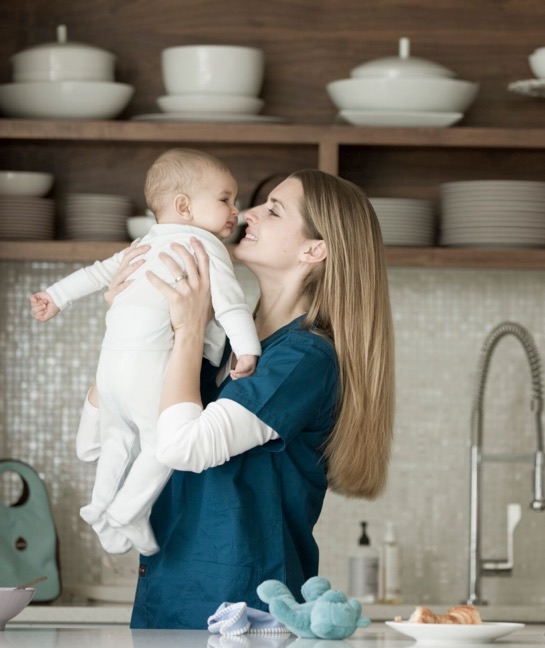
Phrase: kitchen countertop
(120,614)
(376,636)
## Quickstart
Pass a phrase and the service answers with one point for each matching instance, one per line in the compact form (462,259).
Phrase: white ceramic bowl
(13,601)
(63,61)
(211,103)
(139,226)
(432,95)
(64,99)
(25,183)
(213,69)
(537,62)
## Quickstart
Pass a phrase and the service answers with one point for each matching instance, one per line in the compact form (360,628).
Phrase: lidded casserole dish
(63,60)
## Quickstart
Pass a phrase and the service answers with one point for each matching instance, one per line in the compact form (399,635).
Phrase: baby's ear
(182,204)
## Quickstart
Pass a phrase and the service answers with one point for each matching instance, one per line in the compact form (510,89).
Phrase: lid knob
(404,47)
(62,34)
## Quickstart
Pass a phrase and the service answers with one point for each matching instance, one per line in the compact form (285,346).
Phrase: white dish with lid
(64,99)
(403,94)
(403,65)
(63,61)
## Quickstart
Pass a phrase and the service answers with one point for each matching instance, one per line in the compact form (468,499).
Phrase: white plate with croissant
(461,623)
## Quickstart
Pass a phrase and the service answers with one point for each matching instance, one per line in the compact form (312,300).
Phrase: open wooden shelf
(434,257)
(328,140)
(265,132)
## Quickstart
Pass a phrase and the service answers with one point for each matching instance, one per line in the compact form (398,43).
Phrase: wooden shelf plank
(438,257)
(435,257)
(270,133)
(58,251)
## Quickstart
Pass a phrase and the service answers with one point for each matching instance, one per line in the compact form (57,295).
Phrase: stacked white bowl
(64,80)
(402,91)
(217,82)
(24,212)
(493,213)
(139,226)
(408,222)
(96,217)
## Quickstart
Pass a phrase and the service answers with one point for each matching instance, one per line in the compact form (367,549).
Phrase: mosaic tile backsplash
(442,318)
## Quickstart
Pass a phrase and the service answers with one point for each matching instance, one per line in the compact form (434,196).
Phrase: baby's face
(213,204)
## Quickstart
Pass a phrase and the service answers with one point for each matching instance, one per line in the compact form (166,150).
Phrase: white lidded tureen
(63,60)
(403,65)
(401,91)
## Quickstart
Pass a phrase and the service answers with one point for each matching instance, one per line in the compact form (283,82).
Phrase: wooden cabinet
(307,44)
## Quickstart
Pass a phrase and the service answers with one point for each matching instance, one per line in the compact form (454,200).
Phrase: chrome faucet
(477,565)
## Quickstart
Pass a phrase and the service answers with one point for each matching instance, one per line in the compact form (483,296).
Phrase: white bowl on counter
(211,103)
(13,601)
(213,69)
(64,99)
(403,94)
(63,61)
(25,183)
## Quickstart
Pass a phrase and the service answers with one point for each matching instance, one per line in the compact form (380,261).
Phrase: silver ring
(182,276)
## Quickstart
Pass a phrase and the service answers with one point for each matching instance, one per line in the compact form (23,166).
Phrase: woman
(253,457)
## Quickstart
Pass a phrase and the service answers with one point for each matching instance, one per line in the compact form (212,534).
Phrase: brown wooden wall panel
(307,43)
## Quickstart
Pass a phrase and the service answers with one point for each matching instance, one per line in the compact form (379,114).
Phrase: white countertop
(120,614)
(376,636)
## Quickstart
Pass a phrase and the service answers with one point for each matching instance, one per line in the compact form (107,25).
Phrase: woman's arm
(193,439)
(190,311)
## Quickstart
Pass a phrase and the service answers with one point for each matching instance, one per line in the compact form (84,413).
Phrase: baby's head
(190,187)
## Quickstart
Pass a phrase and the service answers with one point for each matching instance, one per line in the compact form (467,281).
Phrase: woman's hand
(120,282)
(188,295)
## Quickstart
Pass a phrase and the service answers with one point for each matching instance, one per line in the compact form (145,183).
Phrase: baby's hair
(177,171)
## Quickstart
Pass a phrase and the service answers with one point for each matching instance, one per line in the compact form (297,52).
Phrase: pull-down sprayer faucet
(477,565)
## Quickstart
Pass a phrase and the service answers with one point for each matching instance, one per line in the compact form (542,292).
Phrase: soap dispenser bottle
(390,567)
(363,575)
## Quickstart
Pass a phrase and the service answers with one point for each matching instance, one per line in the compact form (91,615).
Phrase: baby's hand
(43,308)
(245,367)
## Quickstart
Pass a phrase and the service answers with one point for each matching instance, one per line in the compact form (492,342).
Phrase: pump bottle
(390,567)
(363,575)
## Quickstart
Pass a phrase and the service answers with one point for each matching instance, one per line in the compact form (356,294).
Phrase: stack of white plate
(405,221)
(493,213)
(96,217)
(27,217)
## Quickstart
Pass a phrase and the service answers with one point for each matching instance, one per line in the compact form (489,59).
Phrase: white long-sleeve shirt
(190,438)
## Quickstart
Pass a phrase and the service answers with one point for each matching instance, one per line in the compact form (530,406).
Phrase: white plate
(210,103)
(207,117)
(529,87)
(460,633)
(399,118)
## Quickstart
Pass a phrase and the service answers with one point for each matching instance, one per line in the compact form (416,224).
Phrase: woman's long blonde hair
(349,301)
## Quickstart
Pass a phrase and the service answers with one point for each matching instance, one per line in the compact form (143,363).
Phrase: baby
(192,194)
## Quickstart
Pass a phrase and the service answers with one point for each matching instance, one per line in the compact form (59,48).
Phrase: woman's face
(274,237)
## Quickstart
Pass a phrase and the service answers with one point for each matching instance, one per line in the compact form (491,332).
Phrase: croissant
(466,614)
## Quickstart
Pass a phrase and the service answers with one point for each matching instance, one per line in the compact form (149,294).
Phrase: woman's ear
(182,204)
(314,251)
